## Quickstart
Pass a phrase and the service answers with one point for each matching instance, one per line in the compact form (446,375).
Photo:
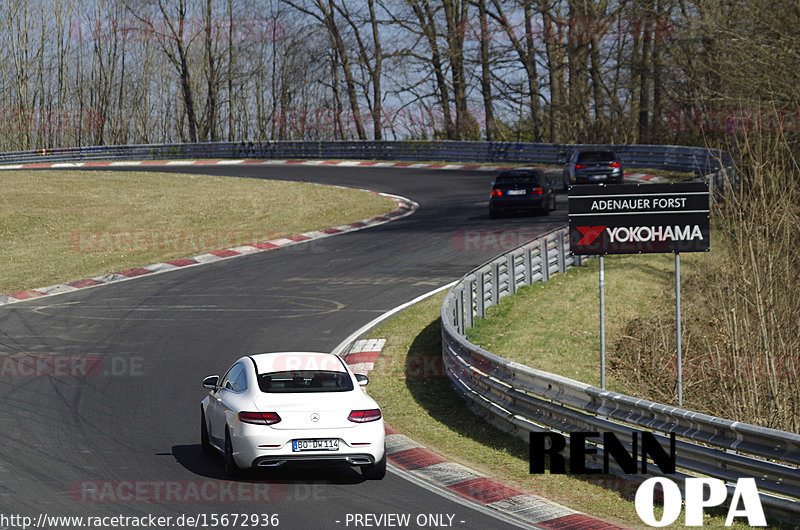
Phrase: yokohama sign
(635,218)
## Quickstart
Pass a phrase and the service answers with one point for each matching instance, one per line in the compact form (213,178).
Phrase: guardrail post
(528,263)
(562,261)
(480,295)
(495,283)
(468,317)
(512,276)
(460,311)
(543,252)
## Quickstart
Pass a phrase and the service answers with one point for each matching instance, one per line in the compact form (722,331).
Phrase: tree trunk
(455,17)
(486,72)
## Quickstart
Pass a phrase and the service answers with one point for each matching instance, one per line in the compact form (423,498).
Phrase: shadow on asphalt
(193,459)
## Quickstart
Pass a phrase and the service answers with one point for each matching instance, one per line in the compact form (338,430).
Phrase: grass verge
(672,176)
(417,400)
(555,326)
(60,226)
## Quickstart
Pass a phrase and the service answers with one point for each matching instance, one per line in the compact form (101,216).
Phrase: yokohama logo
(640,234)
(589,234)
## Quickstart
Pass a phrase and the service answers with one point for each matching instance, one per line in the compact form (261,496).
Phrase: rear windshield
(306,381)
(596,156)
(518,178)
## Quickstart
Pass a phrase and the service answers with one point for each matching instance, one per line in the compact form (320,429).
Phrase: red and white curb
(423,463)
(404,207)
(634,177)
(362,354)
(644,177)
(257,162)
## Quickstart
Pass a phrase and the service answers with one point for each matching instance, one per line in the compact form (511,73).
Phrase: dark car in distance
(592,166)
(519,190)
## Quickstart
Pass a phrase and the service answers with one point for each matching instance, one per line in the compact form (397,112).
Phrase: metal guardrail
(668,157)
(520,400)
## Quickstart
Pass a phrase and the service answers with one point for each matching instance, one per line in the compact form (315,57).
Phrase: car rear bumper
(595,177)
(355,459)
(518,203)
(263,446)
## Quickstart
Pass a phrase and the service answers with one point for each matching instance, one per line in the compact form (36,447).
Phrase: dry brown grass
(742,331)
(59,226)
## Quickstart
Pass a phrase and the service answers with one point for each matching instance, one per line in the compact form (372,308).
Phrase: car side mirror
(362,379)
(211,382)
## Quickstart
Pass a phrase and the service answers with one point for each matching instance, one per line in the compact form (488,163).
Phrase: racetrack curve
(75,445)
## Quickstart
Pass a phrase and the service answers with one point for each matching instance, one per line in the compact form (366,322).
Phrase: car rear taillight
(536,191)
(614,164)
(259,418)
(580,166)
(364,416)
(497,193)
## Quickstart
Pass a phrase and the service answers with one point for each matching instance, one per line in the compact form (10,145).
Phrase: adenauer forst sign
(634,218)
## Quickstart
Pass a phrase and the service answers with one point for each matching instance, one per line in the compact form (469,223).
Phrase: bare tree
(325,13)
(371,59)
(525,49)
(486,70)
(175,40)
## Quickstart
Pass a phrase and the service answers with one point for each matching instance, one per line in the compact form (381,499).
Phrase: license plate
(516,192)
(597,177)
(321,444)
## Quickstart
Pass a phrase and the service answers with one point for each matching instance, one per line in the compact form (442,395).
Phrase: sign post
(602,325)
(678,325)
(636,219)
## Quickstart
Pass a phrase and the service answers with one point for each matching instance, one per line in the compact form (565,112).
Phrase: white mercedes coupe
(272,409)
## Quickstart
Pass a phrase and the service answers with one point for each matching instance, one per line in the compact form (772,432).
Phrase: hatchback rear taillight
(536,191)
(497,193)
(614,164)
(364,416)
(580,166)
(259,418)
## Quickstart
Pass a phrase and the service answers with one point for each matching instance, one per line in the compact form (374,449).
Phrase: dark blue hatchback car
(521,190)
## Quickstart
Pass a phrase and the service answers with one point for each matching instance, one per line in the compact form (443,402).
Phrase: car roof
(296,361)
(519,172)
(595,150)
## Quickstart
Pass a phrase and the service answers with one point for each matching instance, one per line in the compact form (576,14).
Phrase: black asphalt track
(123,439)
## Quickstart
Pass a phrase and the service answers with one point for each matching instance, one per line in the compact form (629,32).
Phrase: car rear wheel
(493,213)
(550,206)
(204,443)
(231,468)
(375,471)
